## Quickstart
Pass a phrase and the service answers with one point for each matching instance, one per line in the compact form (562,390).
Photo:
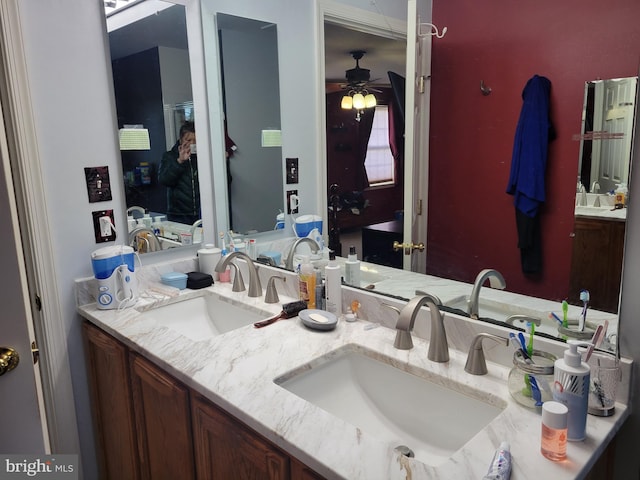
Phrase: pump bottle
(571,388)
(352,268)
(333,286)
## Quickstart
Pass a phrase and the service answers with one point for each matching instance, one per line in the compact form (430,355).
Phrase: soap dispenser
(571,388)
(352,268)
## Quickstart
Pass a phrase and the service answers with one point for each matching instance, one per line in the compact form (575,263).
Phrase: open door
(417,101)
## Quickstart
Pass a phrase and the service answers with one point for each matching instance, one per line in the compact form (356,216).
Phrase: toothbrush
(565,313)
(584,297)
(222,245)
(532,329)
(553,316)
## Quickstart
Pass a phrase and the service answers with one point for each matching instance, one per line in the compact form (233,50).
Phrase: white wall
(72,94)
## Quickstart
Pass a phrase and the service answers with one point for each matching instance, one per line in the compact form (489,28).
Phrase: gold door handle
(408,248)
(9,359)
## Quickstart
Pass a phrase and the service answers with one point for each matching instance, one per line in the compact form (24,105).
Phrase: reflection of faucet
(196,224)
(438,346)
(497,281)
(149,238)
(135,209)
(583,196)
(255,288)
(523,319)
(314,248)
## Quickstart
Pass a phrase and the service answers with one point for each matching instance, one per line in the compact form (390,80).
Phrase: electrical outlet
(292,202)
(103,226)
(292,170)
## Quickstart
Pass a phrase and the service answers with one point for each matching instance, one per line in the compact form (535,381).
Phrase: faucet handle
(271,295)
(476,363)
(238,282)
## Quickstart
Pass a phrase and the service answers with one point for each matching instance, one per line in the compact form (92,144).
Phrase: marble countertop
(237,371)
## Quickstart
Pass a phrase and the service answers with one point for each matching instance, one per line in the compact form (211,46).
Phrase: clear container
(519,381)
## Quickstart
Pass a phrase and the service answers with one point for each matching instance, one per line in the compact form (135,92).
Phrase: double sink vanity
(191,376)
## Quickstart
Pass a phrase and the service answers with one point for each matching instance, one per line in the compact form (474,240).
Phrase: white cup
(208,258)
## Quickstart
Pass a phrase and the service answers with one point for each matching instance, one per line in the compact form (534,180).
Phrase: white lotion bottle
(352,268)
(333,286)
(571,388)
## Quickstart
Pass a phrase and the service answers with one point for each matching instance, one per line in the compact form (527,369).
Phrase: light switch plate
(292,170)
(98,184)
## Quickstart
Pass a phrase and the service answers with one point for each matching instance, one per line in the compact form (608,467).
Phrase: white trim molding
(35,233)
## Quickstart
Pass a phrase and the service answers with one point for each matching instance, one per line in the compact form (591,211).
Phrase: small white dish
(318,319)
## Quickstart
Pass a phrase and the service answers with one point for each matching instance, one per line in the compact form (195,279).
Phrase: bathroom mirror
(607,133)
(248,53)
(153,93)
(411,291)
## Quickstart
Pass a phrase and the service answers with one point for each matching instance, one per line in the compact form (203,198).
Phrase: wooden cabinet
(109,385)
(163,422)
(225,448)
(151,426)
(596,262)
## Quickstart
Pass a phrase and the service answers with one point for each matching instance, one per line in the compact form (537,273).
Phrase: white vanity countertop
(618,215)
(236,371)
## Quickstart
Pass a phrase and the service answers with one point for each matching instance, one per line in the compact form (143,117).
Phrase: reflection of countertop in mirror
(603,213)
(404,284)
(247,360)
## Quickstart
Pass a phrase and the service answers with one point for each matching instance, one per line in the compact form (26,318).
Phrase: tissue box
(175,279)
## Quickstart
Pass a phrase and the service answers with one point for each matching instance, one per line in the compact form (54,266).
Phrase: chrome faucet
(150,239)
(438,346)
(134,208)
(496,280)
(255,288)
(314,248)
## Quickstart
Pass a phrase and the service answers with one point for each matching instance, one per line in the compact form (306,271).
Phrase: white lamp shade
(347,102)
(370,100)
(358,101)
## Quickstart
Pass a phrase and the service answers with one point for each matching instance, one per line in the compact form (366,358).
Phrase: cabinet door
(299,471)
(227,449)
(163,422)
(108,373)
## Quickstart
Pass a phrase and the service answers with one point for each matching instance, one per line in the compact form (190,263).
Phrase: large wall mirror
(612,120)
(248,52)
(153,92)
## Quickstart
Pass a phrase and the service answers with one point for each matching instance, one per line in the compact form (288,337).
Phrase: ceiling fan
(357,77)
(358,95)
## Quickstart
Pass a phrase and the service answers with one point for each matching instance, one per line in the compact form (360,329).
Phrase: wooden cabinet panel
(113,405)
(596,262)
(163,420)
(226,448)
(299,471)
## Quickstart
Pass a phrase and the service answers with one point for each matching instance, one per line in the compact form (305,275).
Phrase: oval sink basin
(395,406)
(204,316)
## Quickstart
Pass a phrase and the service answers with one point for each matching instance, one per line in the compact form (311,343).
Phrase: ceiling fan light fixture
(370,100)
(347,102)
(358,101)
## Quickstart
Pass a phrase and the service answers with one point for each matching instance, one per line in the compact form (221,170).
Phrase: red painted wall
(471,220)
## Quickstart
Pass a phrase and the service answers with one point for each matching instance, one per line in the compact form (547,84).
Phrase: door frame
(35,235)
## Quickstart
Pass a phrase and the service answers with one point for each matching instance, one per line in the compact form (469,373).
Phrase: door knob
(9,359)
(409,248)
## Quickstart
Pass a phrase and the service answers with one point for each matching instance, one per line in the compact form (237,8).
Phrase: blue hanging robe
(528,167)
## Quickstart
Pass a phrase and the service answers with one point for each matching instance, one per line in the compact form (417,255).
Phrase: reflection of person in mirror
(179,173)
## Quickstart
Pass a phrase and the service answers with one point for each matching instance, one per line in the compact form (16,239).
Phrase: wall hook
(484,89)
(433,30)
